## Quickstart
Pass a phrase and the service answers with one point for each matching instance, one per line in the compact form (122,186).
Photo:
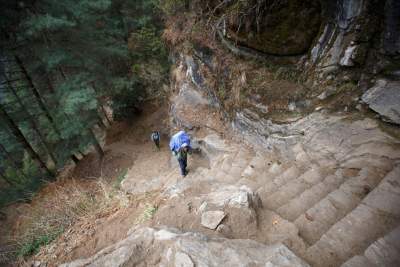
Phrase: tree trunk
(96,144)
(33,124)
(36,93)
(51,88)
(4,177)
(21,139)
(101,106)
(11,160)
(101,123)
(105,113)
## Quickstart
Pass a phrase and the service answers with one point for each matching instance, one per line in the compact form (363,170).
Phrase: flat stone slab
(384,98)
(211,219)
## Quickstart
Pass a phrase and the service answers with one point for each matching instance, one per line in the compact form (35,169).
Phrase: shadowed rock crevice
(270,27)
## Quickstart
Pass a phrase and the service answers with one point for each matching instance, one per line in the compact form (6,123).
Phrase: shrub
(120,178)
(32,246)
(171,7)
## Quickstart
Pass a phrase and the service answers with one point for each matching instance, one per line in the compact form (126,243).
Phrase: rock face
(272,30)
(169,247)
(384,98)
(336,34)
(392,29)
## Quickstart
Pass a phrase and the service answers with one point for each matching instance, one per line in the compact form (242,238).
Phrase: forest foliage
(62,64)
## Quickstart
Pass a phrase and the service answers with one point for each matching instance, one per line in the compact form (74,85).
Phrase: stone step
(386,197)
(249,183)
(300,155)
(242,158)
(270,181)
(232,166)
(319,218)
(229,169)
(287,175)
(234,174)
(383,252)
(285,194)
(386,250)
(358,229)
(226,163)
(220,176)
(358,261)
(261,171)
(266,189)
(293,188)
(360,162)
(380,149)
(350,236)
(295,207)
(257,164)
(276,168)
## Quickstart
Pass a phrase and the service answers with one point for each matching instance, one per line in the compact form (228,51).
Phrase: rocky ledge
(169,247)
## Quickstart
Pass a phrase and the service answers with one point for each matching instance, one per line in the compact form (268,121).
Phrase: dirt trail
(129,150)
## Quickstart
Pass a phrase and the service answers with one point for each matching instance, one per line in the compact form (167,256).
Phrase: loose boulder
(211,219)
(384,98)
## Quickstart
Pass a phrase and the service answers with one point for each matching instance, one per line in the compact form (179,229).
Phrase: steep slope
(319,194)
(291,157)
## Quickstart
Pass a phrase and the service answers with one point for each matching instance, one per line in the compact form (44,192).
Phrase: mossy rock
(281,28)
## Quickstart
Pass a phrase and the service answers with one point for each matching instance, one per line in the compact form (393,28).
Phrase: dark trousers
(183,165)
(157,143)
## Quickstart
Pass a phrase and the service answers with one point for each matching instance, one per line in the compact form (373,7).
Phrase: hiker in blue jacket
(180,147)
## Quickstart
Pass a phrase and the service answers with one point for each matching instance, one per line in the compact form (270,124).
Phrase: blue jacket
(178,139)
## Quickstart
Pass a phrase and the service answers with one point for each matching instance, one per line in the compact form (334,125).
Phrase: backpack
(178,139)
(155,136)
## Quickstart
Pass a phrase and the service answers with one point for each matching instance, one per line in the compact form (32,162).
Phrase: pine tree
(22,140)
(60,63)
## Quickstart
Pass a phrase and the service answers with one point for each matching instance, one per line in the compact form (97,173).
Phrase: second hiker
(155,137)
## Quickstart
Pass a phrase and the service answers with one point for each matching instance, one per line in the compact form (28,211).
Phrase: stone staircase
(331,196)
(336,205)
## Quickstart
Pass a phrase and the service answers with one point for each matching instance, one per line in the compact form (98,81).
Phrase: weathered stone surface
(183,260)
(323,40)
(194,74)
(347,59)
(152,247)
(347,11)
(384,98)
(211,219)
(327,93)
(193,71)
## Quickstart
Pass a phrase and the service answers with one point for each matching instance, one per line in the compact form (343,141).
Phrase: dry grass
(54,211)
